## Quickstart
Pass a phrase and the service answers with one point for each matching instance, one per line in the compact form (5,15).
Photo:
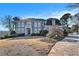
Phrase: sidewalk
(69,46)
(65,49)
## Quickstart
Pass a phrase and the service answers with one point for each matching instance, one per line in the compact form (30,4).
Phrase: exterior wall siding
(35,27)
(32,26)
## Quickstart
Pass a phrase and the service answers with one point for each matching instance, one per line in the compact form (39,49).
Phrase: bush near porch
(42,33)
(56,34)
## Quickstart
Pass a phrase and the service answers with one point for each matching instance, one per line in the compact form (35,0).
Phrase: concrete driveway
(69,46)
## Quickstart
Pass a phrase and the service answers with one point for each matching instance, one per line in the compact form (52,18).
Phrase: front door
(28,31)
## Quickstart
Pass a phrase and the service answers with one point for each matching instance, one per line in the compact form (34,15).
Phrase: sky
(33,10)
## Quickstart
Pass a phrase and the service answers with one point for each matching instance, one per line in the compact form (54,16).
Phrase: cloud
(58,14)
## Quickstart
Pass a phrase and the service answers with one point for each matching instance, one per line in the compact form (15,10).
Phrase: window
(46,28)
(35,30)
(39,29)
(35,24)
(28,24)
(25,23)
(39,24)
(22,30)
(18,30)
(22,24)
(19,24)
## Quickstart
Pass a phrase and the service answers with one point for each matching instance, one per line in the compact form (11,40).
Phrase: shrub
(65,33)
(13,35)
(74,28)
(69,31)
(5,36)
(35,34)
(56,34)
(2,38)
(12,32)
(43,32)
(20,34)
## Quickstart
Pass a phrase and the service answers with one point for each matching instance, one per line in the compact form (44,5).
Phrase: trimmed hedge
(43,32)
(56,34)
(35,34)
(65,33)
(13,35)
(12,32)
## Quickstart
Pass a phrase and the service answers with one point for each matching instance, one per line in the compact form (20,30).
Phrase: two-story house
(33,25)
(29,26)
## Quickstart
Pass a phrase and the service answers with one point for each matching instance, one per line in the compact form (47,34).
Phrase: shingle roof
(49,21)
(31,19)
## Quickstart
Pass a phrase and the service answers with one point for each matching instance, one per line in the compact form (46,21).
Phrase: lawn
(24,47)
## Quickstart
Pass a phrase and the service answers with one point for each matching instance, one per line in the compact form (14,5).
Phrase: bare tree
(7,22)
(64,20)
(74,18)
(15,19)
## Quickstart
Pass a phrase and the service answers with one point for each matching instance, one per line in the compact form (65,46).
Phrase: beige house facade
(33,25)
(29,26)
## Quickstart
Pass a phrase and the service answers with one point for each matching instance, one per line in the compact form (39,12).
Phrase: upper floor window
(39,24)
(18,24)
(35,24)
(22,24)
(28,24)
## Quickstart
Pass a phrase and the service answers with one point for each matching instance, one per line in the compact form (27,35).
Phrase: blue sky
(29,9)
(32,10)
